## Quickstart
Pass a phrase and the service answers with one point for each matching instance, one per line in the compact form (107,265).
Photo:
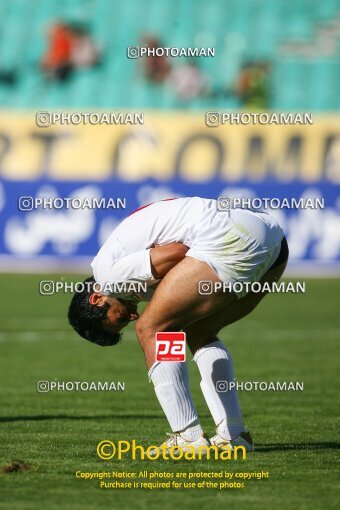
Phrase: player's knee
(144,331)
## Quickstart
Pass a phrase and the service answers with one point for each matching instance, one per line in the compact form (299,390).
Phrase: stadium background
(287,52)
(173,153)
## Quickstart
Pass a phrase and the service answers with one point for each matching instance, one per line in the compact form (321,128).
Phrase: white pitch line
(33,324)
(273,334)
(32,336)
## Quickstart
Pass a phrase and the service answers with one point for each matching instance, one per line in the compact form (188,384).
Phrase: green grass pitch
(289,337)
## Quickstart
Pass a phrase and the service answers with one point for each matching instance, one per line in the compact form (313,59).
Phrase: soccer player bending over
(173,245)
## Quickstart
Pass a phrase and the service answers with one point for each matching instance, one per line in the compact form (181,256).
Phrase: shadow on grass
(299,446)
(265,448)
(46,417)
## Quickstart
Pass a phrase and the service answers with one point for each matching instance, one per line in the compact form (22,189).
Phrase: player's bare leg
(216,366)
(175,304)
(203,331)
(179,306)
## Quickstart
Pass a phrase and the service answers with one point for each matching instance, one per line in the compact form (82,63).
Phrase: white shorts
(239,245)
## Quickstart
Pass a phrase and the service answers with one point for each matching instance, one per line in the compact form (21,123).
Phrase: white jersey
(125,256)
(210,235)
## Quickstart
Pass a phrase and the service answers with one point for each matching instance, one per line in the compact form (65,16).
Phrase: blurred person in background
(188,81)
(70,47)
(252,85)
(8,77)
(156,69)
(56,63)
(84,52)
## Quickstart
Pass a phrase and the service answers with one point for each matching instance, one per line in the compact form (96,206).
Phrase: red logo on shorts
(170,346)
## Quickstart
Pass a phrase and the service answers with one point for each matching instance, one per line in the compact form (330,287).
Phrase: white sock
(215,364)
(171,382)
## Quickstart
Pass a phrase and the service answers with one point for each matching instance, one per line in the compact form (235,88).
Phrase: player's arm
(145,265)
(165,257)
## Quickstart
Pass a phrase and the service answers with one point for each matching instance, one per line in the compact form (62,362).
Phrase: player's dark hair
(87,319)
